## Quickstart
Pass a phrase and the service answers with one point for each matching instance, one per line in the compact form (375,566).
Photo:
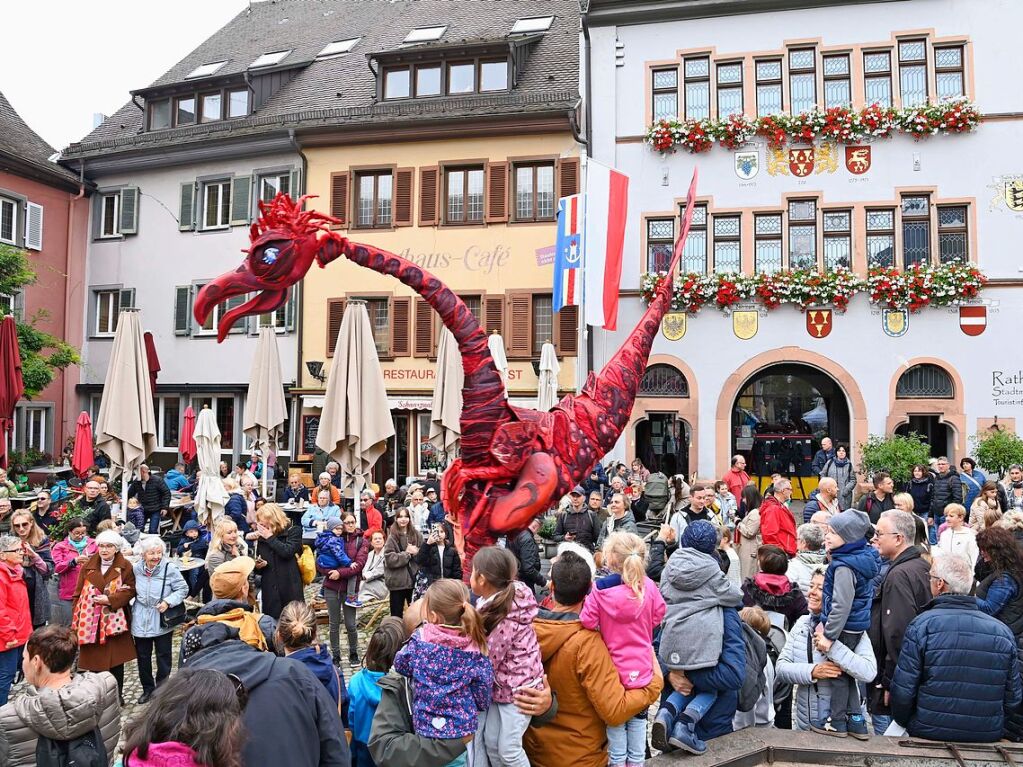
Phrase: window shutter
(33,226)
(182,310)
(493,314)
(497,192)
(289,311)
(241,326)
(423,341)
(566,331)
(520,320)
(241,200)
(97,215)
(335,313)
(428,194)
(129,223)
(127,299)
(296,183)
(18,309)
(403,196)
(568,176)
(186,208)
(401,326)
(339,198)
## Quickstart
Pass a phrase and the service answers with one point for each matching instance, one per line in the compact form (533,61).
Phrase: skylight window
(534,24)
(269,59)
(425,34)
(205,70)
(339,46)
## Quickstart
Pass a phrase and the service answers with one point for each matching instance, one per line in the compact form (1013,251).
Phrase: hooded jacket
(290,719)
(695,591)
(363,699)
(192,640)
(903,593)
(777,525)
(317,659)
(15,617)
(513,648)
(801,568)
(775,593)
(64,565)
(948,488)
(87,702)
(845,600)
(176,480)
(589,694)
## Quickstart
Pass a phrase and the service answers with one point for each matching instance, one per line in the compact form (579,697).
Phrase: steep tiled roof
(341,90)
(19,142)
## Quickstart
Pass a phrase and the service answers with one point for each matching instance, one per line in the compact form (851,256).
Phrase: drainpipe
(588,118)
(72,199)
(299,298)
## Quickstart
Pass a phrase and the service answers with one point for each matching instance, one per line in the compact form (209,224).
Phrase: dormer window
(396,83)
(269,59)
(493,75)
(238,103)
(184,109)
(425,34)
(533,24)
(159,114)
(456,78)
(461,78)
(212,107)
(428,80)
(338,47)
(205,70)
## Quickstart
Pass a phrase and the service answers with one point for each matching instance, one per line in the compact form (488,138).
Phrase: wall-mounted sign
(545,256)
(674,326)
(895,322)
(819,322)
(475,258)
(310,427)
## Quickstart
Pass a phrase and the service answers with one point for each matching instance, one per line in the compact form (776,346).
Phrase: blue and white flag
(567,252)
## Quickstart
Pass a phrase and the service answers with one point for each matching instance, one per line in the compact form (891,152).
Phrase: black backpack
(87,750)
(776,639)
(754,683)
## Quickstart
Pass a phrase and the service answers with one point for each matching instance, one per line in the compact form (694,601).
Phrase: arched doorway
(923,394)
(779,416)
(662,438)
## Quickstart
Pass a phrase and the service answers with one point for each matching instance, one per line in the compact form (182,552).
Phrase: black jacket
(280,581)
(94,512)
(290,718)
(428,560)
(582,524)
(153,497)
(524,547)
(873,508)
(948,488)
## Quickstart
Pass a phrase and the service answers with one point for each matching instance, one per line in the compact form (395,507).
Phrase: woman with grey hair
(159,586)
(15,616)
(809,555)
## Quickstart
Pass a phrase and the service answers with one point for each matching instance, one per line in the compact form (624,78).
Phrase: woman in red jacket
(15,617)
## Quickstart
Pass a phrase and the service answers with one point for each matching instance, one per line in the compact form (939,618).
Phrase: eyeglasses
(349,521)
(12,551)
(20,525)
(239,690)
(878,535)
(936,578)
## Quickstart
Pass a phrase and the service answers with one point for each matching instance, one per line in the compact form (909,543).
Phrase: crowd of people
(701,603)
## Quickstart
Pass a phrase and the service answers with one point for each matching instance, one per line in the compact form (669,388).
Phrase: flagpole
(582,360)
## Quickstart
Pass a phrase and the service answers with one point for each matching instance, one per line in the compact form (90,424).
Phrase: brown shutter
(335,313)
(401,335)
(423,343)
(493,314)
(428,196)
(566,331)
(339,197)
(497,192)
(403,196)
(519,326)
(568,176)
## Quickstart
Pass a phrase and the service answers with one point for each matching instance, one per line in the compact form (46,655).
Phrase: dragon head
(284,242)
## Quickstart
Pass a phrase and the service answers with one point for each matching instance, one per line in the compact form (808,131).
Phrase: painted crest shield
(895,322)
(857,159)
(801,161)
(673,326)
(747,164)
(1014,194)
(973,319)
(819,322)
(745,324)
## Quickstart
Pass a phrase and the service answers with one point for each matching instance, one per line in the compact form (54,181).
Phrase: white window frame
(224,216)
(426,34)
(213,319)
(205,70)
(338,47)
(282,175)
(161,420)
(25,428)
(12,205)
(270,59)
(101,295)
(115,199)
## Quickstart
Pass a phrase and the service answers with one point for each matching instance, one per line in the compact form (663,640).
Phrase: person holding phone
(438,558)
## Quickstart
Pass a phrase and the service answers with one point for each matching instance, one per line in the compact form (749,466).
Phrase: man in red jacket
(777,525)
(736,478)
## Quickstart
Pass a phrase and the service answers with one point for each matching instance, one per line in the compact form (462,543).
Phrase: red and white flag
(607,197)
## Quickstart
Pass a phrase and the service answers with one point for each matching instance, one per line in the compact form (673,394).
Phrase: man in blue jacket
(958,672)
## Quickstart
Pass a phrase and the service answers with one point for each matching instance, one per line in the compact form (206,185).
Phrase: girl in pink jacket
(507,607)
(626,607)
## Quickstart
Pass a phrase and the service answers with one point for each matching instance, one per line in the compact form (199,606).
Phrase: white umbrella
(265,408)
(355,423)
(446,408)
(547,389)
(496,345)
(210,496)
(126,425)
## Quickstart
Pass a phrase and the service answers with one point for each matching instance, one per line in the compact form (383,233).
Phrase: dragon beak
(236,283)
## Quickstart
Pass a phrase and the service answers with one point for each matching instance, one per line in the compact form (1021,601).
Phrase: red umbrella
(83,457)
(152,360)
(188,448)
(11,385)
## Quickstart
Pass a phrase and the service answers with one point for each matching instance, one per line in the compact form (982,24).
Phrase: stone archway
(685,407)
(950,411)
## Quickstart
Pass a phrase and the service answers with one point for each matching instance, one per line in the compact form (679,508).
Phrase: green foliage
(996,451)
(547,528)
(896,455)
(29,458)
(15,271)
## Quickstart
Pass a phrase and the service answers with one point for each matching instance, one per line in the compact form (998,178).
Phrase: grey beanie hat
(851,525)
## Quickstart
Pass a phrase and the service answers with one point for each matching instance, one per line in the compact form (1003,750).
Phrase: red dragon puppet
(515,462)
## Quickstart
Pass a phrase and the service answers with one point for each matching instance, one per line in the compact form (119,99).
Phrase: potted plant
(997,450)
(546,533)
(896,455)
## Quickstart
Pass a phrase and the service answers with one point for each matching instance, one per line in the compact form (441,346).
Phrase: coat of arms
(674,326)
(1014,194)
(973,319)
(895,322)
(745,324)
(819,322)
(801,161)
(857,159)
(747,164)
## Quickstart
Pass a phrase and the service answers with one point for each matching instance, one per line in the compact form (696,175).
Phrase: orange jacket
(590,695)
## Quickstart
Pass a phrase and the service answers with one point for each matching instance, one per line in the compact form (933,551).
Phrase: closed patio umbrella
(355,423)
(126,425)
(152,360)
(496,345)
(547,389)
(265,408)
(446,408)
(188,436)
(83,457)
(11,385)
(210,495)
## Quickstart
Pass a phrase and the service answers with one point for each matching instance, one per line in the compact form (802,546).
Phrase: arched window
(925,382)
(663,381)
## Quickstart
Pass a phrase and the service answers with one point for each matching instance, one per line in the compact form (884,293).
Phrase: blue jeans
(694,705)
(8,670)
(626,743)
(153,523)
(881,723)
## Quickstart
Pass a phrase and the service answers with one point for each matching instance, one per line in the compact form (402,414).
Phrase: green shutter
(241,200)
(182,310)
(127,299)
(129,210)
(296,184)
(186,210)
(289,310)
(241,326)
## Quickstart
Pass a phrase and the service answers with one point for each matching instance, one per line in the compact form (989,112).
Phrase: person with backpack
(77,712)
(577,524)
(340,581)
(656,493)
(763,713)
(881,500)
(772,590)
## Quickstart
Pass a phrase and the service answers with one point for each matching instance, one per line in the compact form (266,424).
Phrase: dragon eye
(270,255)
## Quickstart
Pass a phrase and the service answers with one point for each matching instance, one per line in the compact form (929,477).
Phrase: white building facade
(770,384)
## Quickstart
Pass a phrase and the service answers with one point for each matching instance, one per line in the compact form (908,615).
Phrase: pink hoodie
(170,754)
(513,649)
(627,626)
